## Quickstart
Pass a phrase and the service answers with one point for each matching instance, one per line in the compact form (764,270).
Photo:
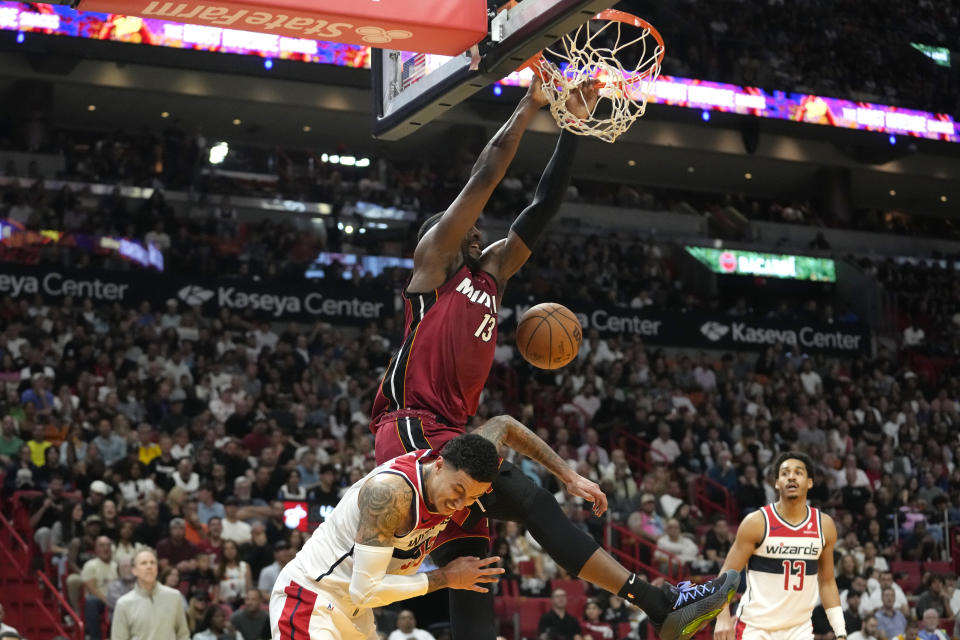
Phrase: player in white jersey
(367,552)
(787,549)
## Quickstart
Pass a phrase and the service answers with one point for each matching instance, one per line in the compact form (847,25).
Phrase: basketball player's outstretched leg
(694,605)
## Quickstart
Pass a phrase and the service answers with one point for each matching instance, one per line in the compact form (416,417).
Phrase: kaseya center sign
(713,330)
(768,265)
(332,301)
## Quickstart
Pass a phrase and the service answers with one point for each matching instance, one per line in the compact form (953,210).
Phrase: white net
(620,51)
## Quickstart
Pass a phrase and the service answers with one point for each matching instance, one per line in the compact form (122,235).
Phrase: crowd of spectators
(184,433)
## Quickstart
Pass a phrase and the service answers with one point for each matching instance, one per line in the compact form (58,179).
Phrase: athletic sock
(646,596)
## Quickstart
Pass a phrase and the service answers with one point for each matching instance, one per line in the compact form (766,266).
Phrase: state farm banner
(306,301)
(713,331)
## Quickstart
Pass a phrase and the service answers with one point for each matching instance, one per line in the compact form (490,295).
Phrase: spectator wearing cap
(99,490)
(251,621)
(150,611)
(234,528)
(282,554)
(176,550)
(97,573)
(647,522)
(112,447)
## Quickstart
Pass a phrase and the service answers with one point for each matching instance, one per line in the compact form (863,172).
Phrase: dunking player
(433,384)
(364,553)
(787,548)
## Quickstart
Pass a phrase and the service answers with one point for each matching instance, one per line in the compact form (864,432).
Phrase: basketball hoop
(622,52)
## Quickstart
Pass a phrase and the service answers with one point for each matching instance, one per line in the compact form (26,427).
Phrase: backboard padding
(517,34)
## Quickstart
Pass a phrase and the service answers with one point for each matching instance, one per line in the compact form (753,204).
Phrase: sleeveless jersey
(327,557)
(443,365)
(782,587)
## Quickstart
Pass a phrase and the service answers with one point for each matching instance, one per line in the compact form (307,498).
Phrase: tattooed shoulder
(384,504)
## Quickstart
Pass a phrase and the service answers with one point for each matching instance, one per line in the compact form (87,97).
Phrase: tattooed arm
(386,503)
(507,431)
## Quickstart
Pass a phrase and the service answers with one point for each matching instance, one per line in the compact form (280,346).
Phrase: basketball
(549,335)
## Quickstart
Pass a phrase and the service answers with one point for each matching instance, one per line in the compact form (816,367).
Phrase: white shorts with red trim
(299,611)
(802,631)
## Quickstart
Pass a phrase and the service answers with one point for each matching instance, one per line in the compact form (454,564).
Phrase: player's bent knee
(549,525)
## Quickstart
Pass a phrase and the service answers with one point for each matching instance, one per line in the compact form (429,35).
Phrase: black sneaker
(694,605)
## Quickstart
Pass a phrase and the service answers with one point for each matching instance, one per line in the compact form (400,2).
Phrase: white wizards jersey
(326,560)
(782,586)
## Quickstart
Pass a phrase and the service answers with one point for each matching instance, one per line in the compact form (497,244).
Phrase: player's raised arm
(749,535)
(385,504)
(513,252)
(508,431)
(829,593)
(441,244)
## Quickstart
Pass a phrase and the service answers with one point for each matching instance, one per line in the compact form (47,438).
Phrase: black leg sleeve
(471,613)
(517,499)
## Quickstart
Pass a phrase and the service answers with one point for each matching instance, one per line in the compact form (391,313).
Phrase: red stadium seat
(938,567)
(909,567)
(525,568)
(530,610)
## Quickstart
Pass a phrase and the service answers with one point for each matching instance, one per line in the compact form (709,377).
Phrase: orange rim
(609,14)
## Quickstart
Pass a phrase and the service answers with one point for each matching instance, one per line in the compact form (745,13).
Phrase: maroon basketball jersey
(447,352)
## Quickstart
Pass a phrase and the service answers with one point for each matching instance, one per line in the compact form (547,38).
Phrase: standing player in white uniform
(787,548)
(367,552)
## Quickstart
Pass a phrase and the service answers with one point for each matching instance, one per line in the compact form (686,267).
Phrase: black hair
(474,454)
(428,224)
(794,455)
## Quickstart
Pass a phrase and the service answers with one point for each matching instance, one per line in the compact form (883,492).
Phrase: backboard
(411,89)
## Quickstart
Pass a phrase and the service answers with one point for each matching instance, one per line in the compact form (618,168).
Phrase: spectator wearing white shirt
(185,477)
(703,374)
(850,462)
(664,448)
(913,336)
(673,541)
(224,405)
(869,631)
(587,401)
(810,379)
(591,440)
(407,628)
(233,528)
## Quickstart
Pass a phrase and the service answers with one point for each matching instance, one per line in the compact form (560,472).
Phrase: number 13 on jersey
(794,568)
(487,325)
